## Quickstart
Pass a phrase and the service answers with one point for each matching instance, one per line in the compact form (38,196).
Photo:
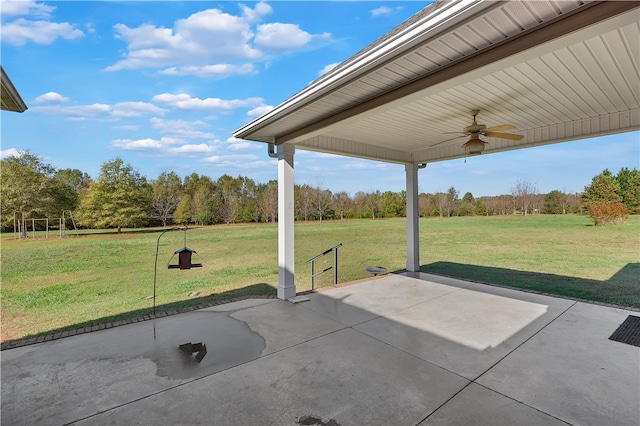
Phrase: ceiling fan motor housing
(474,128)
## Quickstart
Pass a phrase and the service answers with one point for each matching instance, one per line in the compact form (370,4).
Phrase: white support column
(286,258)
(413,237)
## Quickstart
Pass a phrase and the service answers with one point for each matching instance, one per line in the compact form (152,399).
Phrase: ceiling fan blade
(498,128)
(447,140)
(511,136)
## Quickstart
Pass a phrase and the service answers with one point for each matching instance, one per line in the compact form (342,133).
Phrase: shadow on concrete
(137,315)
(398,349)
(402,349)
(622,289)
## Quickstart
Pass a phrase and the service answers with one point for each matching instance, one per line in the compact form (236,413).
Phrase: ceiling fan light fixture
(474,146)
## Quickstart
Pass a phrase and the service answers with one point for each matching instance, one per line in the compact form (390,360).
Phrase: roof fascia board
(10,90)
(528,44)
(431,26)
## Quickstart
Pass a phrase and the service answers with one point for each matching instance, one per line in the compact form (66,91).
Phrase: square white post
(286,258)
(413,237)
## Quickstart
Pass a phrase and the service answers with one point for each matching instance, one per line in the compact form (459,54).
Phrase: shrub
(608,213)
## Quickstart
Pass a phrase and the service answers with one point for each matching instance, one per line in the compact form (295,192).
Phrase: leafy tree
(198,201)
(63,195)
(393,204)
(481,208)
(74,178)
(249,200)
(230,209)
(442,203)
(268,201)
(372,203)
(304,201)
(629,181)
(341,202)
(604,189)
(425,204)
(467,206)
(166,196)
(34,188)
(554,203)
(24,184)
(452,197)
(121,197)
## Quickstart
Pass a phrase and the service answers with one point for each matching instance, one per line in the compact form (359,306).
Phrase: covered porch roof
(536,72)
(555,70)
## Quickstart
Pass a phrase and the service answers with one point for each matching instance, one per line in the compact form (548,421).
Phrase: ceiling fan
(475,145)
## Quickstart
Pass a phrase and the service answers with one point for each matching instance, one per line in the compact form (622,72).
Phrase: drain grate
(628,332)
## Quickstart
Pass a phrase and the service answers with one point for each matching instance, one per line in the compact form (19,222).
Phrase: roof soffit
(564,24)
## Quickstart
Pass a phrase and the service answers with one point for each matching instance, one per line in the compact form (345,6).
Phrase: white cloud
(208,42)
(281,37)
(186,102)
(217,70)
(235,144)
(384,11)
(112,112)
(174,140)
(328,68)
(240,146)
(164,145)
(23,7)
(181,128)
(22,31)
(50,98)
(201,148)
(33,25)
(11,152)
(134,109)
(206,37)
(138,145)
(257,112)
(255,14)
(74,111)
(239,161)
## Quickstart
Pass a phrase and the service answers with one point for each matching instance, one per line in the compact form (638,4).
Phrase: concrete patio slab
(572,370)
(466,330)
(356,304)
(60,381)
(283,325)
(344,376)
(477,405)
(451,352)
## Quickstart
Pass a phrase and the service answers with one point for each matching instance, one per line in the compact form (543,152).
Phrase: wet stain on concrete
(315,421)
(229,343)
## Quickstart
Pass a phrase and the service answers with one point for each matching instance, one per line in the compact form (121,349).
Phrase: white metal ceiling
(581,83)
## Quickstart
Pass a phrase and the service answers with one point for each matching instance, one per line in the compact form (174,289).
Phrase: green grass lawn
(76,281)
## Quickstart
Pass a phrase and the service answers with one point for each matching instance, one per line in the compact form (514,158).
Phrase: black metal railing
(333,267)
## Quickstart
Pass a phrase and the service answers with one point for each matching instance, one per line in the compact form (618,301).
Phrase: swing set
(54,225)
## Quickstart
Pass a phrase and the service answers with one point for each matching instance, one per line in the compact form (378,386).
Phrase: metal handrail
(333,249)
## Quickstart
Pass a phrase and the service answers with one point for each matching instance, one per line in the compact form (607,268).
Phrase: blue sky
(163,85)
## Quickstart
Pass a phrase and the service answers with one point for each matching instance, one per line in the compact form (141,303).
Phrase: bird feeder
(184,259)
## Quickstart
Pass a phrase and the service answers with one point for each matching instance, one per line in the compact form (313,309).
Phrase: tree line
(121,197)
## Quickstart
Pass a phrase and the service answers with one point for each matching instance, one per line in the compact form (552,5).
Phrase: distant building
(11,100)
